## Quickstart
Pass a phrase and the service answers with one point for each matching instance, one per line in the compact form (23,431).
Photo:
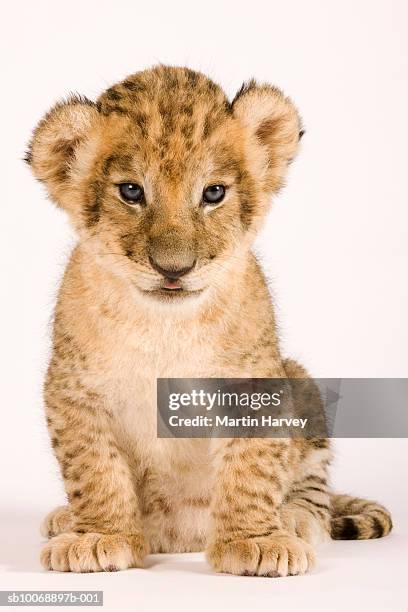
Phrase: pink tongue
(169,284)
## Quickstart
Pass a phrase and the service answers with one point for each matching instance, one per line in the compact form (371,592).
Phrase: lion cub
(167,184)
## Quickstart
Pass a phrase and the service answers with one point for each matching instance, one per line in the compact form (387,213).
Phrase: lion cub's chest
(174,477)
(130,371)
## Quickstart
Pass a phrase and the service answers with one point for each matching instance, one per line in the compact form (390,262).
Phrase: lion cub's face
(166,180)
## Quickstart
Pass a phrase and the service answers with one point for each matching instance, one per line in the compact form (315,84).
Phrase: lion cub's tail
(354,518)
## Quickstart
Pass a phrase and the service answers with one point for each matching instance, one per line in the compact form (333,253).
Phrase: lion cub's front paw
(93,552)
(279,555)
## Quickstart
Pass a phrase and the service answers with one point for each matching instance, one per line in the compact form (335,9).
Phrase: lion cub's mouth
(171,290)
(172,285)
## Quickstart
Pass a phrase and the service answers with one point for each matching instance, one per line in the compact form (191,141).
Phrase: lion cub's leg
(247,535)
(57,521)
(306,508)
(306,511)
(106,531)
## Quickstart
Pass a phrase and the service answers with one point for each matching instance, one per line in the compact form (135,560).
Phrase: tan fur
(257,506)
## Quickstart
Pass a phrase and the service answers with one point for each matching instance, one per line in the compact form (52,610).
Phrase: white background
(335,248)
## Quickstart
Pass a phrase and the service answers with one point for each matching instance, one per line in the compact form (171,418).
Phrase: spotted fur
(257,506)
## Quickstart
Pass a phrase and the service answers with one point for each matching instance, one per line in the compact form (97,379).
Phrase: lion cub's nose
(171,273)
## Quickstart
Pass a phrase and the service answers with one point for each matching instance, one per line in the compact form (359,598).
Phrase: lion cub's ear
(275,129)
(54,144)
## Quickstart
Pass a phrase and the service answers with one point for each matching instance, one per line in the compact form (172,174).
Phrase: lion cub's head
(166,180)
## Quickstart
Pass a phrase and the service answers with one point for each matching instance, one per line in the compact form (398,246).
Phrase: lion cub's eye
(213,194)
(132,193)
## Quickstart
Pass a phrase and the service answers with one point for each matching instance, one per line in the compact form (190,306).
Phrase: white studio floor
(353,575)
